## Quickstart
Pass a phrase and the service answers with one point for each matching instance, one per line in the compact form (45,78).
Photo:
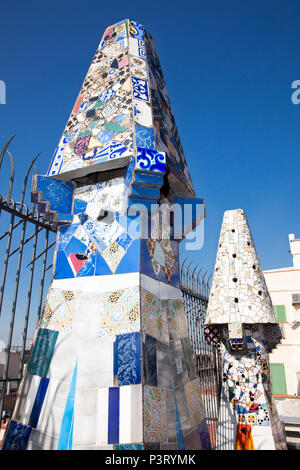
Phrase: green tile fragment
(110,126)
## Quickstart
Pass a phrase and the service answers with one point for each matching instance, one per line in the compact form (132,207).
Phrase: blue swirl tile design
(149,159)
(127,358)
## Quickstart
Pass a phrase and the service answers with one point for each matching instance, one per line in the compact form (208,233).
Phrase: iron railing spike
(26,178)
(4,148)
(12,176)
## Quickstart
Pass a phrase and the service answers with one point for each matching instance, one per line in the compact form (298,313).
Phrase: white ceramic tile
(131,414)
(42,441)
(263,438)
(102,416)
(34,385)
(160,289)
(95,363)
(98,284)
(53,408)
(63,360)
(133,47)
(143,114)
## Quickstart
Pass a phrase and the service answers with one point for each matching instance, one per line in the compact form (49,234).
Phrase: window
(278,379)
(298,384)
(280,313)
(297,313)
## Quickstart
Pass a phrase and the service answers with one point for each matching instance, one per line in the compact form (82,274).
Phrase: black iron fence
(195,291)
(25,241)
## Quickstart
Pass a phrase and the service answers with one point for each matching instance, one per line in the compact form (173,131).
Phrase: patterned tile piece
(129,447)
(151,308)
(177,319)
(150,361)
(244,439)
(58,311)
(127,359)
(17,437)
(144,137)
(152,160)
(136,30)
(120,312)
(140,88)
(42,352)
(155,415)
(193,397)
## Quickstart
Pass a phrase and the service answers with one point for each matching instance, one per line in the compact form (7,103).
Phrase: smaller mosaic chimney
(241,322)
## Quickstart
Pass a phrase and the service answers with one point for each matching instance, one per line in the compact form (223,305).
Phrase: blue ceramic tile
(83,218)
(79,206)
(144,137)
(113,415)
(140,88)
(130,263)
(143,176)
(62,268)
(102,268)
(56,162)
(149,159)
(150,364)
(145,190)
(129,447)
(65,440)
(147,268)
(204,435)
(38,402)
(42,352)
(58,193)
(136,30)
(65,234)
(124,240)
(127,358)
(17,437)
(75,246)
(88,269)
(129,172)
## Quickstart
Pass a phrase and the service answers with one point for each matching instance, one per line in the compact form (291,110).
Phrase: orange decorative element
(77,104)
(244,439)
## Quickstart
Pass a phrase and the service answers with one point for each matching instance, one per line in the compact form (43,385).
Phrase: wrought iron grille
(26,240)
(195,292)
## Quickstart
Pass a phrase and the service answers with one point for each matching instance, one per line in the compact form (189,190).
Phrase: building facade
(284,288)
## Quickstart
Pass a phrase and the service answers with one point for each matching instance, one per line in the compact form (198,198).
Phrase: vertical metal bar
(13,313)
(43,276)
(195,294)
(9,238)
(24,334)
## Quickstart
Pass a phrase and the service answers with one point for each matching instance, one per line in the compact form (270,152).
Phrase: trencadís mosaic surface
(241,322)
(112,366)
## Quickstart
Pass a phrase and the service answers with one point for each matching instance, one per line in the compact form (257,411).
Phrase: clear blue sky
(228,68)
